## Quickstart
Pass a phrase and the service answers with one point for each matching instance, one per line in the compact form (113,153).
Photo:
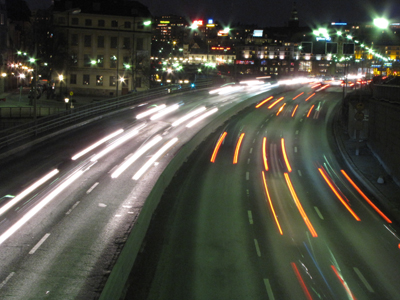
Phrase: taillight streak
(310,97)
(295,110)
(299,206)
(328,181)
(270,203)
(264,101)
(264,152)
(301,281)
(280,109)
(285,156)
(298,96)
(346,287)
(239,143)
(275,102)
(309,112)
(221,139)
(365,197)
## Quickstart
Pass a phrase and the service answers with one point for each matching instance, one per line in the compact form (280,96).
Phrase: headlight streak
(95,145)
(322,88)
(188,116)
(135,156)
(165,111)
(215,152)
(365,197)
(308,98)
(298,96)
(153,159)
(346,287)
(264,101)
(301,281)
(299,206)
(317,85)
(116,143)
(280,109)
(264,152)
(295,110)
(328,181)
(203,116)
(309,112)
(270,203)
(273,104)
(285,156)
(39,206)
(150,111)
(239,143)
(27,191)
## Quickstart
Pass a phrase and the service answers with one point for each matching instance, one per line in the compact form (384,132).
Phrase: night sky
(269,12)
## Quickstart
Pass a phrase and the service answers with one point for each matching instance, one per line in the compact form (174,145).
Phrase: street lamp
(66,103)
(61,78)
(381,23)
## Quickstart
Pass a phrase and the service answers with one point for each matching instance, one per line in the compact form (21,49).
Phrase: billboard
(258,33)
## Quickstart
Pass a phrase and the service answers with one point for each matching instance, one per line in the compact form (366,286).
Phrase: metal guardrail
(28,131)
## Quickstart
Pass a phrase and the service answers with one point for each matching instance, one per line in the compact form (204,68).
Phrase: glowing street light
(381,23)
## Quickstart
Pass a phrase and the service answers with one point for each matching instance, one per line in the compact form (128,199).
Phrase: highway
(64,217)
(266,209)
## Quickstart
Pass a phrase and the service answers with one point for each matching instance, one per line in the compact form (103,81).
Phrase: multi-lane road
(65,215)
(266,209)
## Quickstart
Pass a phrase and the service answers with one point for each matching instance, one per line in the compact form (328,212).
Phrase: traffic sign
(359,116)
(71,93)
(360,106)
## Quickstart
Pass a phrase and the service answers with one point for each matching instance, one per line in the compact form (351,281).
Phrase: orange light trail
(301,281)
(285,156)
(310,97)
(280,109)
(295,110)
(273,104)
(309,112)
(343,283)
(299,206)
(365,197)
(270,204)
(264,101)
(221,139)
(314,86)
(337,194)
(236,156)
(298,96)
(264,150)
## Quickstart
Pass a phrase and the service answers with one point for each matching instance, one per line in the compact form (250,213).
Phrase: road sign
(71,93)
(359,116)
(360,106)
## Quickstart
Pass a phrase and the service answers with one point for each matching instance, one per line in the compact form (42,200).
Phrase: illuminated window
(113,61)
(100,61)
(86,79)
(113,80)
(99,80)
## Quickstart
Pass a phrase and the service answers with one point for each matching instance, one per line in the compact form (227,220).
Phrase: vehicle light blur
(310,97)
(264,101)
(298,96)
(270,203)
(188,116)
(309,112)
(165,111)
(295,110)
(239,143)
(217,146)
(285,156)
(274,103)
(203,116)
(150,111)
(264,152)
(301,281)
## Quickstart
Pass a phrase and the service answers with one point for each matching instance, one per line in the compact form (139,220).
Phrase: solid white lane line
(6,280)
(298,171)
(318,213)
(73,206)
(250,216)
(295,149)
(33,250)
(362,278)
(257,247)
(251,150)
(247,175)
(91,189)
(269,289)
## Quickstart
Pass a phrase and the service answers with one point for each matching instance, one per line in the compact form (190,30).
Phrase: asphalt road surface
(280,223)
(62,238)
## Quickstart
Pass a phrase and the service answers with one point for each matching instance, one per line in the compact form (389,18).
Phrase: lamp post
(61,78)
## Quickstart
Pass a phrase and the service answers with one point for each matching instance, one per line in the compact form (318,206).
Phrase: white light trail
(165,111)
(150,111)
(39,206)
(153,159)
(188,116)
(115,144)
(135,156)
(95,145)
(203,116)
(27,191)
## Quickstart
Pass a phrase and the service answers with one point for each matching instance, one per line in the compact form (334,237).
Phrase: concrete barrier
(118,277)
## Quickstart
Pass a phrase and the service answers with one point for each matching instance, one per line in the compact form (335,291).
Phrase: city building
(105,46)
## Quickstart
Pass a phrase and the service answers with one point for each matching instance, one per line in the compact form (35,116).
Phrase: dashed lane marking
(250,216)
(43,239)
(362,278)
(319,213)
(257,248)
(269,289)
(247,175)
(72,208)
(6,280)
(91,189)
(298,171)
